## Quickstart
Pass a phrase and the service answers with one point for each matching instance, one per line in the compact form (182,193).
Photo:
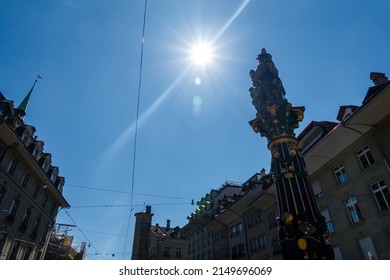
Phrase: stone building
(61,245)
(240,222)
(348,164)
(30,186)
(156,242)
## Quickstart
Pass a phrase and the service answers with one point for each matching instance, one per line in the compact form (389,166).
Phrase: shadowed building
(30,186)
(156,242)
(348,165)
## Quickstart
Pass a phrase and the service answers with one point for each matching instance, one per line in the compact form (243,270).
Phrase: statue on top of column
(267,87)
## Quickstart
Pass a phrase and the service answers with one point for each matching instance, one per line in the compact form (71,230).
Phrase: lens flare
(197,81)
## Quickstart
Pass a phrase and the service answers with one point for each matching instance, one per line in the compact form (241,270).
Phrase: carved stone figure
(267,87)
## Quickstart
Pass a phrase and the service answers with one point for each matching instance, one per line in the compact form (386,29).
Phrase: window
(233,231)
(365,157)
(262,241)
(13,208)
(3,109)
(11,166)
(353,209)
(36,191)
(24,180)
(251,220)
(36,226)
(35,152)
(178,253)
(44,201)
(254,218)
(240,228)
(328,221)
(381,194)
(258,216)
(25,219)
(341,174)
(45,165)
(166,252)
(367,247)
(272,220)
(25,137)
(337,253)
(237,229)
(53,177)
(253,244)
(317,190)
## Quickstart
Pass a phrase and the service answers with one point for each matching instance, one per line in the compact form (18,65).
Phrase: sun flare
(202,54)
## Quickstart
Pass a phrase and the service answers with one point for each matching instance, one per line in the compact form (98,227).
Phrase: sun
(202,54)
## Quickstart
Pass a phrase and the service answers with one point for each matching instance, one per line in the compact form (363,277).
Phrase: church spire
(23,105)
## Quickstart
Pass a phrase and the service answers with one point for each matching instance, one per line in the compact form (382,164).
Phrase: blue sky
(191,137)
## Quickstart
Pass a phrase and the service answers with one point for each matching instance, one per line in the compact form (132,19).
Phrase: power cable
(118,191)
(86,238)
(124,205)
(136,124)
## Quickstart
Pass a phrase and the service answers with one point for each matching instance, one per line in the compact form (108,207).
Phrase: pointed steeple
(23,105)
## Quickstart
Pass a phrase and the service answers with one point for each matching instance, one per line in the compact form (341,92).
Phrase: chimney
(148,209)
(378,78)
(168,224)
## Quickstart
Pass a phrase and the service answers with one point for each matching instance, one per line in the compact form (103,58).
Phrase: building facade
(30,187)
(61,245)
(238,224)
(156,242)
(348,163)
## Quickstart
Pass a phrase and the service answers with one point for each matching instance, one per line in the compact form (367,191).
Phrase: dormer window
(3,109)
(45,165)
(53,174)
(53,177)
(25,137)
(35,152)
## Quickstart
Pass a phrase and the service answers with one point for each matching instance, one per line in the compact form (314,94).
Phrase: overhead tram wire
(119,191)
(126,205)
(136,125)
(86,238)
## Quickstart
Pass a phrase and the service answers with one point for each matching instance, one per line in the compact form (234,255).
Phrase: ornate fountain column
(302,230)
